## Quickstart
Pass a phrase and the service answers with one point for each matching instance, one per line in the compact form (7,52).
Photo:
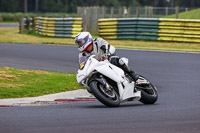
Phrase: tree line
(69,6)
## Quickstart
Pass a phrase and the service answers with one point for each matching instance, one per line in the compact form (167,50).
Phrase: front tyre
(108,97)
(149,94)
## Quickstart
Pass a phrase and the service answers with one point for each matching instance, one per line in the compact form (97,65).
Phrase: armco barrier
(58,27)
(184,30)
(150,29)
(129,28)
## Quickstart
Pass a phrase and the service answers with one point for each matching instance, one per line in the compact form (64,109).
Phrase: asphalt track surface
(176,76)
(9,25)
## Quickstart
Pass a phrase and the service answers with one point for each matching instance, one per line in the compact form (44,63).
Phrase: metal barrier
(150,29)
(58,27)
(184,30)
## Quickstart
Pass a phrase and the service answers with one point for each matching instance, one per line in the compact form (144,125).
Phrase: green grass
(16,83)
(11,35)
(193,14)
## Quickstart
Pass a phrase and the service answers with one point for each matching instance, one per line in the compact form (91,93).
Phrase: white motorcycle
(111,85)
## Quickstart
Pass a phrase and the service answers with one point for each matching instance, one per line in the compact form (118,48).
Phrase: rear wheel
(149,94)
(106,95)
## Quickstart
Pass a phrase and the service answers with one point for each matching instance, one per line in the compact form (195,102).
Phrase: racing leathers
(103,50)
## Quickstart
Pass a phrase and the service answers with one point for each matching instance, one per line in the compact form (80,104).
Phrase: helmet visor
(81,42)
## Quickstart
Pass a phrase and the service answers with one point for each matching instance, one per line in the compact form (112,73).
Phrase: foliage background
(69,6)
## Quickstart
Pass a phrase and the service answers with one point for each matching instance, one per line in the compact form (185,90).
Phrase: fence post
(146,11)
(94,20)
(33,23)
(27,23)
(149,12)
(98,16)
(89,19)
(177,11)
(112,12)
(120,12)
(104,12)
(129,12)
(152,11)
(85,22)
(137,12)
(21,25)
(166,11)
(79,11)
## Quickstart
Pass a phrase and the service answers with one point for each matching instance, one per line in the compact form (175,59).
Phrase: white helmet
(83,40)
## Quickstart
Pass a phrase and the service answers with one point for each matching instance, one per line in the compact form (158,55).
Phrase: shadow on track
(123,105)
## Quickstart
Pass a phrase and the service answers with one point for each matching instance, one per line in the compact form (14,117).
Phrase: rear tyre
(109,97)
(149,94)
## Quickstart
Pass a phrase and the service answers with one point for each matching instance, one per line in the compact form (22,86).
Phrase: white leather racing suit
(101,49)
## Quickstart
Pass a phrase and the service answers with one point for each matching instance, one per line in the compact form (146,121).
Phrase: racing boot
(130,72)
(133,75)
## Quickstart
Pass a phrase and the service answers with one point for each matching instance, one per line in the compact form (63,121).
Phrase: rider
(102,50)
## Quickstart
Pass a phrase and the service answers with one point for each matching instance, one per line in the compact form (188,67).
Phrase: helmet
(83,40)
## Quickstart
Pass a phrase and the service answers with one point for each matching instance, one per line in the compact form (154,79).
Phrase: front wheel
(149,94)
(107,96)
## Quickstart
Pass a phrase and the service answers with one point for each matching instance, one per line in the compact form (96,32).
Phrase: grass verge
(160,46)
(11,35)
(193,14)
(16,83)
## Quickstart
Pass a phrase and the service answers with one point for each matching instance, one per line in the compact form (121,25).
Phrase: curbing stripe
(75,100)
(6,106)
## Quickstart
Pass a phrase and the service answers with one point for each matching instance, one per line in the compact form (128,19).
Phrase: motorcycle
(111,85)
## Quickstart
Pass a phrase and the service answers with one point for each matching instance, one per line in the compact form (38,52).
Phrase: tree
(25,6)
(36,5)
(70,5)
